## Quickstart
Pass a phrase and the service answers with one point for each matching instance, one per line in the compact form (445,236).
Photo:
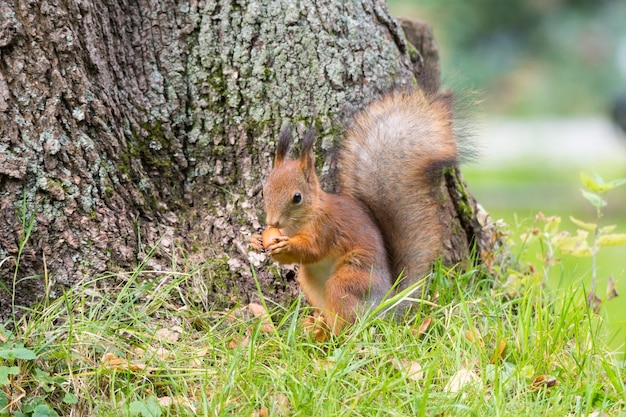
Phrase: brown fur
(352,246)
(392,162)
(344,267)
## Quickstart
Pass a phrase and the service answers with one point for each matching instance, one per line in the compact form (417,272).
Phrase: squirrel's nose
(271,223)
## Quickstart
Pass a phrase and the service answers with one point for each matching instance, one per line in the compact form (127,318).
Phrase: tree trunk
(140,130)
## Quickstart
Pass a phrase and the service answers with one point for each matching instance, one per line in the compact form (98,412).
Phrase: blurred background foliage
(530,57)
(547,74)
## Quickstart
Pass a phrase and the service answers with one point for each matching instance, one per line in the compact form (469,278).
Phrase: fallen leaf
(258,311)
(594,302)
(497,354)
(281,404)
(169,335)
(167,402)
(238,341)
(110,361)
(411,369)
(423,327)
(611,290)
(202,352)
(321,364)
(136,366)
(474,336)
(195,363)
(263,412)
(543,381)
(461,379)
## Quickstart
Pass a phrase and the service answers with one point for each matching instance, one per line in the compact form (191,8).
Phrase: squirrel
(384,225)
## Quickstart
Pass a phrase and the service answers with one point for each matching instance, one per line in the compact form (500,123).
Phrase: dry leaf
(202,352)
(258,311)
(462,379)
(263,412)
(543,381)
(238,341)
(151,351)
(163,353)
(281,404)
(423,327)
(497,354)
(474,336)
(167,402)
(611,290)
(169,335)
(195,363)
(411,369)
(136,366)
(594,302)
(321,364)
(110,361)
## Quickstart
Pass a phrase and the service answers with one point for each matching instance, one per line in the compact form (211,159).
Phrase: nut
(269,235)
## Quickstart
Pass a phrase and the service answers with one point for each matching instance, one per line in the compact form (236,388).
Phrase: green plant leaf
(608,229)
(18,352)
(5,371)
(594,199)
(586,226)
(147,408)
(45,380)
(4,401)
(616,183)
(572,245)
(552,224)
(593,184)
(70,398)
(44,410)
(616,239)
(25,354)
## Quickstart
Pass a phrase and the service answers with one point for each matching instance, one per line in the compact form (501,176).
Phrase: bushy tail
(392,161)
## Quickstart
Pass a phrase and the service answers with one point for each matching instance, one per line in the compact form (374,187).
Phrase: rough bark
(129,128)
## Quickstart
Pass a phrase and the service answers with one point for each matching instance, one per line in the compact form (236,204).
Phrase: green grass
(144,349)
(516,194)
(511,342)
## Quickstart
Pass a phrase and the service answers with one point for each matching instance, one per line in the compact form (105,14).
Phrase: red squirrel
(384,223)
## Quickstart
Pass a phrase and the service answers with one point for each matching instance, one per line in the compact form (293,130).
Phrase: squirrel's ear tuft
(309,139)
(284,141)
(307,158)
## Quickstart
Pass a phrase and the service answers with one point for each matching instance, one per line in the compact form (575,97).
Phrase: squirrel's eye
(297,197)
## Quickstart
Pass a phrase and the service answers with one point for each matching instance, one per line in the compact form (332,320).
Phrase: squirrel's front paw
(256,242)
(279,245)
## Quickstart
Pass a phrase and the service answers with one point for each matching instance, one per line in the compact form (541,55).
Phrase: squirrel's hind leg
(347,294)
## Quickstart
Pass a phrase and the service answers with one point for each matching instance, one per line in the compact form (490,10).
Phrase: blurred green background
(546,74)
